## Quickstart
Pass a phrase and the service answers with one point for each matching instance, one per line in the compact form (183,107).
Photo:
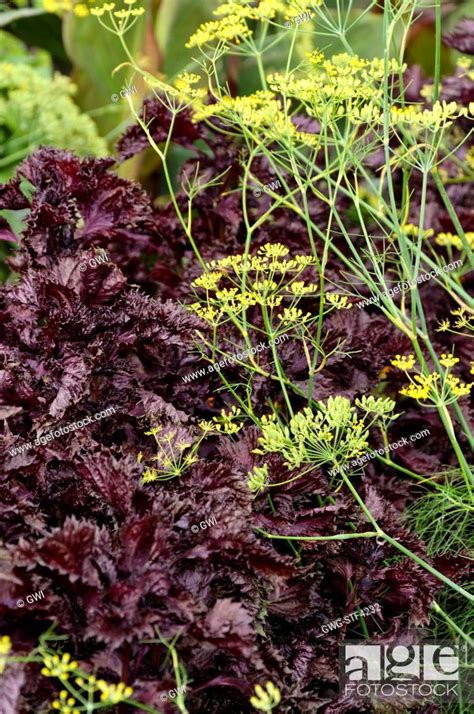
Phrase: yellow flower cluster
(176,453)
(56,666)
(233,28)
(122,15)
(293,316)
(332,434)
(267,698)
(410,230)
(420,387)
(257,479)
(454,241)
(425,386)
(91,686)
(463,320)
(5,647)
(340,302)
(65,703)
(261,113)
(275,279)
(113,693)
(344,85)
(228,422)
(405,362)
(187,92)
(80,9)
(441,115)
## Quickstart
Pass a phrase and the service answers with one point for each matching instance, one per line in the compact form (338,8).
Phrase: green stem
(437,70)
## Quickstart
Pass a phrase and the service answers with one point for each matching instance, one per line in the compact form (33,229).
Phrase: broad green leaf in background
(10,16)
(37,28)
(95,53)
(176,21)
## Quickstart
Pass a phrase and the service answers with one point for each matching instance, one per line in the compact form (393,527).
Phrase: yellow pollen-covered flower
(60,667)
(81,10)
(274,250)
(340,302)
(459,389)
(444,326)
(448,360)
(65,703)
(416,391)
(208,281)
(228,29)
(114,693)
(267,698)
(404,362)
(454,241)
(409,229)
(5,647)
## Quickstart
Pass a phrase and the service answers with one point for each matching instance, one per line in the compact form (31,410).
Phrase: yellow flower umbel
(177,450)
(232,27)
(228,422)
(258,479)
(5,647)
(333,434)
(113,693)
(461,323)
(342,86)
(340,302)
(59,7)
(452,240)
(60,667)
(440,116)
(120,20)
(266,699)
(406,362)
(188,93)
(270,275)
(65,703)
(436,388)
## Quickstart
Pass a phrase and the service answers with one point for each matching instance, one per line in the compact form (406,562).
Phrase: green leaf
(7,17)
(177,20)
(95,53)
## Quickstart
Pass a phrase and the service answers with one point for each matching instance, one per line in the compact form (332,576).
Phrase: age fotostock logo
(428,671)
